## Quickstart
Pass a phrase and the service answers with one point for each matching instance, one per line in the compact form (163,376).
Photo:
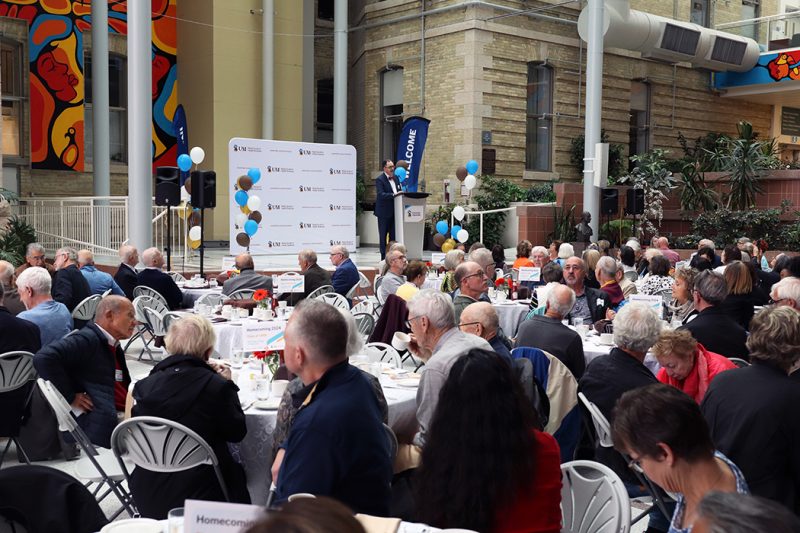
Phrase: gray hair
(540,250)
(71,253)
(435,305)
(36,279)
(607,266)
(775,336)
(398,246)
(127,252)
(85,257)
(636,327)
(355,342)
(453,258)
(191,335)
(341,249)
(635,245)
(309,256)
(33,247)
(565,251)
(650,253)
(321,329)
(561,299)
(788,287)
(482,256)
(711,286)
(150,255)
(6,273)
(706,243)
(731,512)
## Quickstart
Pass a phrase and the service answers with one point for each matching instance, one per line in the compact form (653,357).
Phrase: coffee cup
(400,341)
(282,304)
(607,338)
(278,387)
(300,495)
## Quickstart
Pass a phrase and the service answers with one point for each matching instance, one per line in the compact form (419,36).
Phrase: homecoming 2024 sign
(307,193)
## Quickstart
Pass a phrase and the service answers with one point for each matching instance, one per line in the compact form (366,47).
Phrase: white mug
(607,338)
(278,387)
(400,341)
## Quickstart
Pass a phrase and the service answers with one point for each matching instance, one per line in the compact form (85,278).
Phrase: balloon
(194,245)
(255,175)
(253,203)
(401,164)
(438,239)
(197,155)
(244,209)
(441,227)
(194,233)
(241,198)
(458,212)
(400,172)
(184,210)
(184,162)
(472,166)
(244,183)
(462,235)
(470,182)
(188,186)
(194,218)
(447,246)
(455,230)
(451,241)
(242,239)
(461,173)
(255,215)
(241,218)
(251,227)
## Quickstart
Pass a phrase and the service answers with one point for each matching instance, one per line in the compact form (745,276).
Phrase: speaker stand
(202,245)
(169,238)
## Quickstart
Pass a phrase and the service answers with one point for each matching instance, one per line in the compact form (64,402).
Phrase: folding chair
(242,294)
(364,306)
(106,293)
(365,324)
(631,275)
(139,305)
(741,363)
(87,308)
(213,299)
(335,299)
(325,289)
(381,352)
(16,372)
(161,445)
(376,286)
(593,499)
(143,290)
(168,319)
(176,276)
(392,438)
(98,464)
(363,284)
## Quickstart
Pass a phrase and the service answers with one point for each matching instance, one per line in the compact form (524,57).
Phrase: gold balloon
(194,245)
(452,241)
(447,246)
(244,209)
(184,209)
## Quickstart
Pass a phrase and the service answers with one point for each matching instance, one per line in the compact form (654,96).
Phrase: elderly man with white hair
(99,281)
(69,286)
(159,281)
(394,278)
(786,292)
(12,302)
(314,277)
(481,319)
(127,277)
(35,256)
(53,318)
(346,275)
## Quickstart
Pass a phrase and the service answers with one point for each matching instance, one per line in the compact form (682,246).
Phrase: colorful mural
(771,68)
(56,60)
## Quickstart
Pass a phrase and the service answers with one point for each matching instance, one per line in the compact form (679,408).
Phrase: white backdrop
(307,192)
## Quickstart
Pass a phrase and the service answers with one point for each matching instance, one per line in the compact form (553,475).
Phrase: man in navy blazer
(386,186)
(153,277)
(346,273)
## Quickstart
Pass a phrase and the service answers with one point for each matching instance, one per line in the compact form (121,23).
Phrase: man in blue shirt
(53,318)
(99,281)
(481,319)
(346,273)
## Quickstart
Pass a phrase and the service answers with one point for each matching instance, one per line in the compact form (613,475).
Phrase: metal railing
(774,32)
(480,214)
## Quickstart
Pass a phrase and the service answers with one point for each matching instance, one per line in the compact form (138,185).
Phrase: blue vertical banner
(410,148)
(181,136)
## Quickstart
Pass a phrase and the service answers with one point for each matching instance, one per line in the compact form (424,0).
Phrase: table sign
(219,517)
(530,274)
(654,301)
(437,258)
(260,336)
(228,263)
(291,282)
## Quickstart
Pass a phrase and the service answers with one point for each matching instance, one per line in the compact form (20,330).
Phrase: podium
(409,221)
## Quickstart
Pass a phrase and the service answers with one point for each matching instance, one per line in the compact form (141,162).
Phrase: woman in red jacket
(484,466)
(686,364)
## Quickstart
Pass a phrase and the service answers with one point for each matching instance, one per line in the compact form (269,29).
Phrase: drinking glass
(175,520)
(237,357)
(262,387)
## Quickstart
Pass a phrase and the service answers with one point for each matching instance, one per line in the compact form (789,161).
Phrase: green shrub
(724,226)
(540,193)
(15,239)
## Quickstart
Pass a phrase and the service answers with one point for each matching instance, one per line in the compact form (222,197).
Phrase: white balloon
(241,218)
(197,154)
(253,203)
(458,212)
(462,235)
(194,233)
(470,182)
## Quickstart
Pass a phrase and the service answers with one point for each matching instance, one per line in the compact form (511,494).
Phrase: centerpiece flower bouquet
(269,358)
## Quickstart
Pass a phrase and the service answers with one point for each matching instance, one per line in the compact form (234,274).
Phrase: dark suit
(70,287)
(163,284)
(719,333)
(247,279)
(127,279)
(17,334)
(315,277)
(550,335)
(344,277)
(384,209)
(598,303)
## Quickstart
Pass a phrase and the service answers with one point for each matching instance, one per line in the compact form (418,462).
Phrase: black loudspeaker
(168,186)
(204,188)
(635,204)
(609,201)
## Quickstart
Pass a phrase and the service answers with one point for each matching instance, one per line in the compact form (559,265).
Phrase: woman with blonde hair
(591,257)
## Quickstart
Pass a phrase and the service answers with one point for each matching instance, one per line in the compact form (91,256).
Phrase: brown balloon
(255,215)
(402,163)
(188,186)
(194,219)
(244,183)
(461,173)
(243,239)
(438,240)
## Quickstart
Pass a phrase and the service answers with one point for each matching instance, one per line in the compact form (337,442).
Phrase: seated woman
(682,304)
(686,364)
(667,438)
(452,259)
(508,478)
(659,279)
(415,273)
(739,303)
(591,257)
(523,255)
(186,389)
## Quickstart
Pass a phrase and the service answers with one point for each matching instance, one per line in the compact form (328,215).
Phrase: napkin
(376,524)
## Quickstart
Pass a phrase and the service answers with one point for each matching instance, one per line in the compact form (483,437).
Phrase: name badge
(118,375)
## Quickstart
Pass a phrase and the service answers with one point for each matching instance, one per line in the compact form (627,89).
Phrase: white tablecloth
(230,337)
(190,295)
(592,349)
(511,315)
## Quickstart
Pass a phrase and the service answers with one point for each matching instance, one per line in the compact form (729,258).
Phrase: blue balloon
(454,231)
(184,162)
(472,166)
(400,172)
(441,227)
(254,174)
(241,198)
(250,227)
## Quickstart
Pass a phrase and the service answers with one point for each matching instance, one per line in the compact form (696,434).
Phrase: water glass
(175,520)
(237,358)
(212,282)
(262,387)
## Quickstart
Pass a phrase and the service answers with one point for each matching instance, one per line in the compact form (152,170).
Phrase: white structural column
(340,72)
(594,110)
(268,70)
(140,120)
(101,170)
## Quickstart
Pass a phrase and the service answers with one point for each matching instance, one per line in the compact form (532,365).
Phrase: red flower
(260,355)
(260,294)
(500,282)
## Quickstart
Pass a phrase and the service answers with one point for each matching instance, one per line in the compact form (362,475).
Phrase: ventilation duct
(672,41)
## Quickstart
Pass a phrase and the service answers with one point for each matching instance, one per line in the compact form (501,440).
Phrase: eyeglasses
(778,301)
(636,465)
(37,257)
(400,257)
(336,253)
(467,324)
(408,322)
(480,274)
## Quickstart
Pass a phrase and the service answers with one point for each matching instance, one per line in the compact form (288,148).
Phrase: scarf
(696,383)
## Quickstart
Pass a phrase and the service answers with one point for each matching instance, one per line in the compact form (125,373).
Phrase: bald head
(115,315)
(560,301)
(85,257)
(152,258)
(480,314)
(244,261)
(129,255)
(663,242)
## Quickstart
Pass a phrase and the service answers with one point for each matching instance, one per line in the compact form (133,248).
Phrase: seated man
(89,368)
(35,256)
(12,302)
(52,318)
(126,277)
(16,333)
(69,286)
(787,292)
(314,277)
(247,278)
(471,281)
(481,319)
(153,277)
(99,281)
(394,277)
(549,334)
(336,446)
(591,304)
(346,274)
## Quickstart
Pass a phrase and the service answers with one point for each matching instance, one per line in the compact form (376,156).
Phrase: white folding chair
(161,445)
(144,328)
(176,276)
(377,285)
(335,299)
(98,464)
(365,323)
(16,370)
(242,294)
(319,291)
(363,284)
(364,306)
(741,363)
(169,318)
(143,290)
(156,321)
(499,273)
(593,499)
(631,275)
(393,444)
(213,299)
(382,352)
(87,308)
(106,293)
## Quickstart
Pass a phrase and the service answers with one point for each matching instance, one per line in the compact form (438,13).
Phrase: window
(751,9)
(700,13)
(539,135)
(118,108)
(323,132)
(391,111)
(639,140)
(11,71)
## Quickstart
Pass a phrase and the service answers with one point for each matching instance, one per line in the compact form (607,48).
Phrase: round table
(592,349)
(511,314)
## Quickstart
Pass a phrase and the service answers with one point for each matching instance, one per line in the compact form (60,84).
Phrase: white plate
(134,525)
(408,382)
(268,405)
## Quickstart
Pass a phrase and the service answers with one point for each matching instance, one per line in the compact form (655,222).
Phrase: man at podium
(387,186)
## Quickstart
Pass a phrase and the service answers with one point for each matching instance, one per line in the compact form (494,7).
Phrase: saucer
(268,405)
